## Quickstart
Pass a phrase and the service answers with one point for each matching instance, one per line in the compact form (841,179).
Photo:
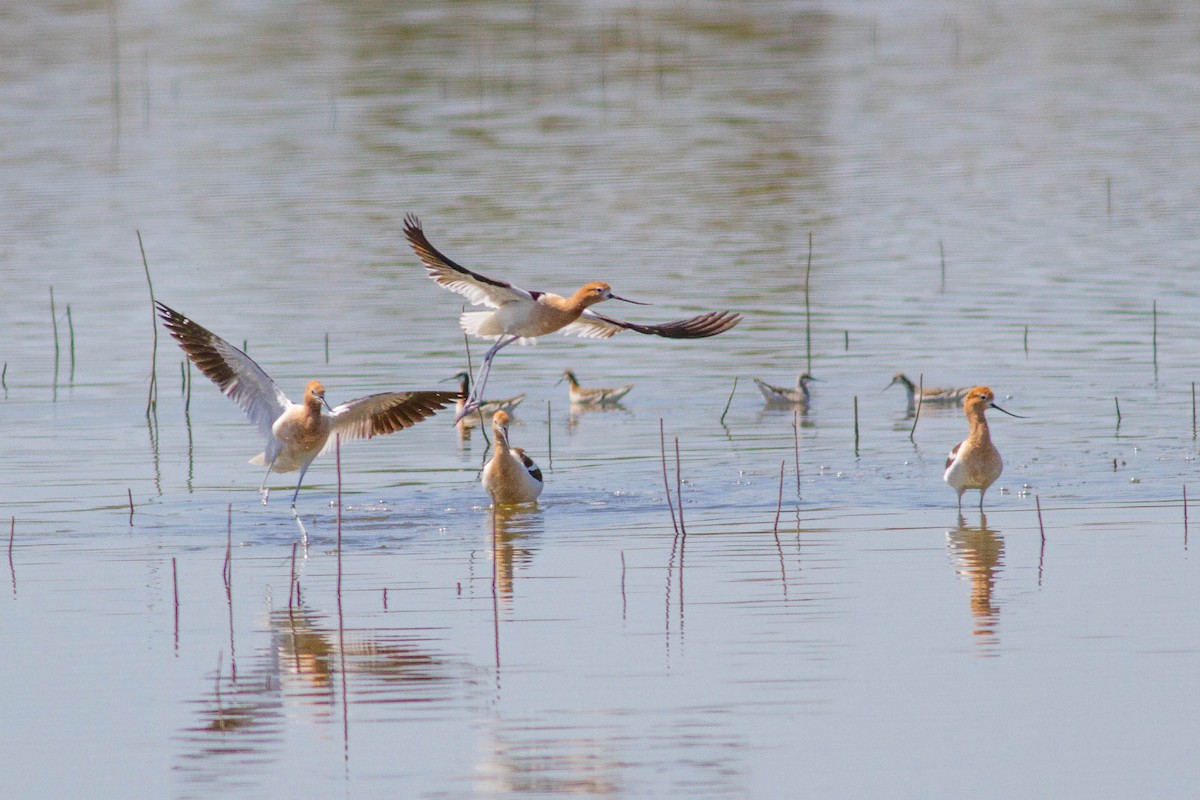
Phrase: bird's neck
(312,407)
(578,302)
(979,426)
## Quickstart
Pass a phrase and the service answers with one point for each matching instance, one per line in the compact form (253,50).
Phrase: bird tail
(260,460)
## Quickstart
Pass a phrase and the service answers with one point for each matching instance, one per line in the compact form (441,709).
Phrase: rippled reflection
(515,531)
(979,552)
(513,763)
(240,722)
(578,412)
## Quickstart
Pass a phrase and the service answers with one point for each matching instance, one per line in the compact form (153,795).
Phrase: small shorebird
(523,315)
(593,396)
(510,477)
(975,463)
(781,395)
(929,394)
(487,408)
(296,433)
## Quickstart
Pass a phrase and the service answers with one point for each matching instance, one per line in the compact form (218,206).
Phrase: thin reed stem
(227,569)
(942,251)
(729,402)
(1154,313)
(779,502)
(71,334)
(54,322)
(1041,527)
(679,492)
(292,582)
(623,603)
(796,447)
(152,396)
(337,451)
(807,309)
(662,443)
(129,492)
(856,426)
(920,401)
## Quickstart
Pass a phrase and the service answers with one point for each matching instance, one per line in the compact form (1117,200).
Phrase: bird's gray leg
(485,369)
(263,491)
(296,516)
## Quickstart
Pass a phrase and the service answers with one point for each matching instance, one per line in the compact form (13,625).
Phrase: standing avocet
(928,394)
(296,433)
(592,395)
(782,395)
(523,315)
(975,463)
(510,477)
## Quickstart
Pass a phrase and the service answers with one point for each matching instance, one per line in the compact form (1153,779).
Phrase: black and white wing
(387,412)
(234,372)
(598,326)
(478,289)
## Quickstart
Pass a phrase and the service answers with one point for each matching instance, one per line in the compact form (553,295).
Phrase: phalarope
(592,396)
(781,395)
(929,394)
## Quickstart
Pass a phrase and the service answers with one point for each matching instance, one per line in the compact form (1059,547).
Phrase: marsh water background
(877,645)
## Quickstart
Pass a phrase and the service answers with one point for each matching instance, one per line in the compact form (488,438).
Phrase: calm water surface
(996,194)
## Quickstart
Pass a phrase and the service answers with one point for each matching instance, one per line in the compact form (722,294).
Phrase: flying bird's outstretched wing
(479,289)
(598,326)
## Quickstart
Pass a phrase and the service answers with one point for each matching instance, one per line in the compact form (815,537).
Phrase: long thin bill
(627,300)
(998,408)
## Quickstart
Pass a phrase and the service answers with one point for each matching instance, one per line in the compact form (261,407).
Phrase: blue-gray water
(871,645)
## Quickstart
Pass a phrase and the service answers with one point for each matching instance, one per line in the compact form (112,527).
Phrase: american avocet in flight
(296,433)
(523,315)
(782,395)
(487,408)
(929,394)
(975,463)
(510,477)
(592,396)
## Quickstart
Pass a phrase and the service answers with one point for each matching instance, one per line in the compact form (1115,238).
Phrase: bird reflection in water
(514,530)
(577,412)
(979,553)
(241,722)
(394,660)
(521,760)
